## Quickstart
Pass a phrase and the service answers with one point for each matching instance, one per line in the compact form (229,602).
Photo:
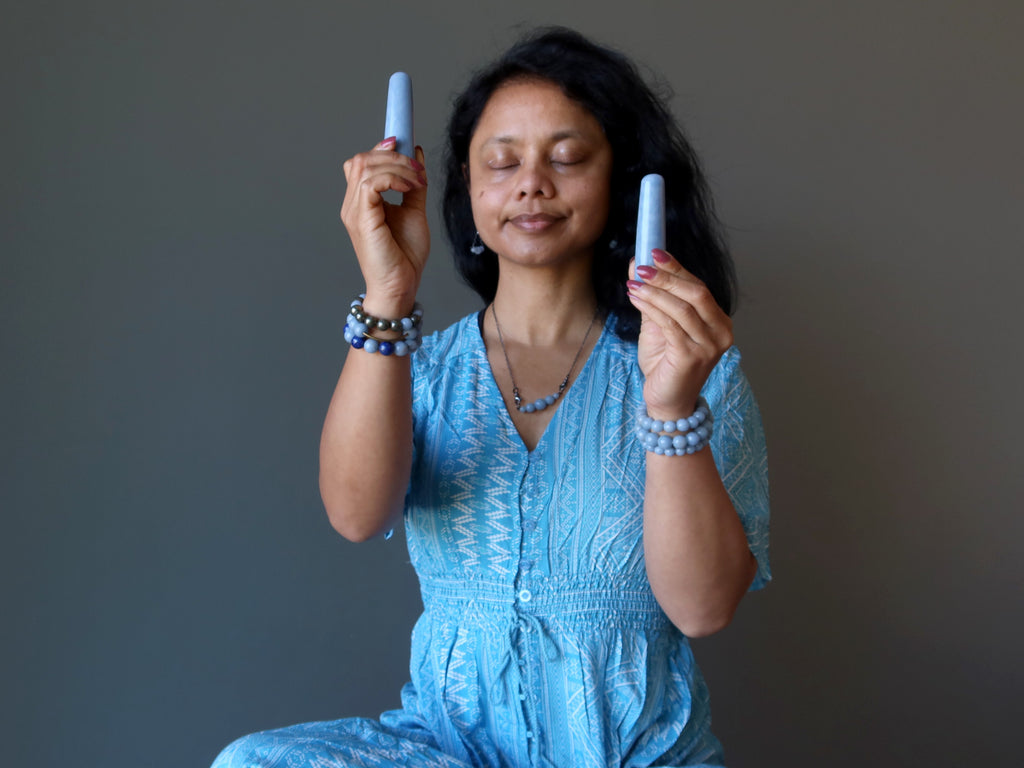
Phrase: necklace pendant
(539,404)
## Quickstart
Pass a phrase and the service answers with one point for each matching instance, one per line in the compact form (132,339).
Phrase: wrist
(676,435)
(674,410)
(375,333)
(389,303)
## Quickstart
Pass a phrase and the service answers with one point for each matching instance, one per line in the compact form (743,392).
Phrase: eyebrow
(557,136)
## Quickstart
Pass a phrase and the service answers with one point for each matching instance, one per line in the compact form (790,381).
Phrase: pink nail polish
(417,165)
(661,256)
(633,285)
(646,272)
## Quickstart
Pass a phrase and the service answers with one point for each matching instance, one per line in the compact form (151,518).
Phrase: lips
(533,222)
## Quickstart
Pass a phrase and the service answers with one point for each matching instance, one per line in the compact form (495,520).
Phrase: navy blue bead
(386,348)
(358,342)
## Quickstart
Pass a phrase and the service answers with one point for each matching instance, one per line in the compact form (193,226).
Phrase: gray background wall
(174,279)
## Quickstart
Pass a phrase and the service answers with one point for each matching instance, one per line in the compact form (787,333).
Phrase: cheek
(486,199)
(596,199)
(486,209)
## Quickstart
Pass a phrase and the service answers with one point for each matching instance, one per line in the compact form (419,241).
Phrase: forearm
(366,445)
(698,561)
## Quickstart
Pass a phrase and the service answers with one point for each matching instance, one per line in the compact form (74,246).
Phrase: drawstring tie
(525,623)
(510,676)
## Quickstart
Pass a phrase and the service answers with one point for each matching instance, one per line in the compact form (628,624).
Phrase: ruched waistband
(566,601)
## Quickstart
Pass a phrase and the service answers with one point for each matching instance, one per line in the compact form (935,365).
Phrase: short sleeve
(741,454)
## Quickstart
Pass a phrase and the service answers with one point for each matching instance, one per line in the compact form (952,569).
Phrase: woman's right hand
(391,241)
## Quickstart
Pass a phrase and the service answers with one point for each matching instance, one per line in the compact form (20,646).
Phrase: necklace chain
(550,399)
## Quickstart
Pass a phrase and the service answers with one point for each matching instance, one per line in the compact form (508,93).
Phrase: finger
(366,187)
(678,321)
(384,156)
(389,165)
(677,281)
(417,197)
(386,151)
(378,182)
(689,304)
(372,173)
(665,261)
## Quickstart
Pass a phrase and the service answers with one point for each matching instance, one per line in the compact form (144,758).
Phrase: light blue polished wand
(650,219)
(398,121)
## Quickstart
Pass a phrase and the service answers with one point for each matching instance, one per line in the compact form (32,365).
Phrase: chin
(545,254)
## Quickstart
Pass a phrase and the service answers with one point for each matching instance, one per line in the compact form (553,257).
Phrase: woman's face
(539,175)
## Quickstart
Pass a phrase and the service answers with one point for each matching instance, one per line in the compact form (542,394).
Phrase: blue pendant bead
(681,437)
(360,328)
(539,404)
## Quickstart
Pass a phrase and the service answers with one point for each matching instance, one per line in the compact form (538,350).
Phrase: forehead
(532,108)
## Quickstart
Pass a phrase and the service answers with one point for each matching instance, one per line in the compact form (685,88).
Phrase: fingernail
(390,141)
(660,256)
(417,165)
(634,285)
(646,272)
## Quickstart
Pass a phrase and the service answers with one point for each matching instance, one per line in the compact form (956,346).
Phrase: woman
(564,553)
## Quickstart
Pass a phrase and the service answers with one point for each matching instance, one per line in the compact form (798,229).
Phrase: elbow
(356,529)
(699,618)
(708,611)
(355,533)
(703,626)
(355,521)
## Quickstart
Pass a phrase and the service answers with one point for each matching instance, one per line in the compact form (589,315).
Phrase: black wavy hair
(644,137)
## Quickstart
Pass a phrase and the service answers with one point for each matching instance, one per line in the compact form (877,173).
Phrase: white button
(525,596)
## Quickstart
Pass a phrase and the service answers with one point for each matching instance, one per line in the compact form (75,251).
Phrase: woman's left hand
(683,333)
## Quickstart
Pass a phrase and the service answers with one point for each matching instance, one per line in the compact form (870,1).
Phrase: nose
(535,179)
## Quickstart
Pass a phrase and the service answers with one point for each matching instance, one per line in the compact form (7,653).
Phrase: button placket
(529,503)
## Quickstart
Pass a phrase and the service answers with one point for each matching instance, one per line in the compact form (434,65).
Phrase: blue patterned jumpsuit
(540,643)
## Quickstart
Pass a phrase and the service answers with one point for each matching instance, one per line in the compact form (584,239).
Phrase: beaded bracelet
(681,437)
(360,326)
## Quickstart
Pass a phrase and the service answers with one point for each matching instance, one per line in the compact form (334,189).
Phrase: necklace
(544,402)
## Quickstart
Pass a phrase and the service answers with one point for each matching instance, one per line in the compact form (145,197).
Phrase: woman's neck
(538,307)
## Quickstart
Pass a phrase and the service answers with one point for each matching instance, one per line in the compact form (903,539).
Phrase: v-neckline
(495,390)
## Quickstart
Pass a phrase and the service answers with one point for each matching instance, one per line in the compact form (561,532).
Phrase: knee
(247,752)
